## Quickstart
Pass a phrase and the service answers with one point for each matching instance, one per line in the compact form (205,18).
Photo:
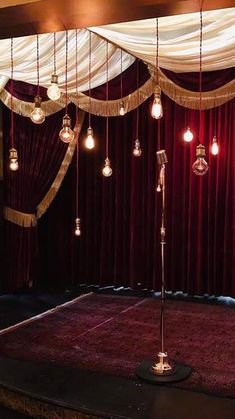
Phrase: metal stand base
(177,372)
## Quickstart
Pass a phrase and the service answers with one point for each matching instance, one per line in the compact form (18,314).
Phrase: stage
(78,360)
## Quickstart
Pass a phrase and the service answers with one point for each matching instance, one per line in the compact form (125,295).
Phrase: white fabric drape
(179,40)
(25,63)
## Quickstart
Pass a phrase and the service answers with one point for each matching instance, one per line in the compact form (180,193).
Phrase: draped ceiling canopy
(178,52)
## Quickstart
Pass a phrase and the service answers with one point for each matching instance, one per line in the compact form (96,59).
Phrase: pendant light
(137,149)
(122,107)
(53,91)
(37,116)
(200,166)
(13,155)
(157,111)
(66,133)
(188,135)
(215,146)
(89,141)
(77,230)
(107,169)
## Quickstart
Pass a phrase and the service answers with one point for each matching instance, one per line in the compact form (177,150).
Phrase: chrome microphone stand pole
(162,366)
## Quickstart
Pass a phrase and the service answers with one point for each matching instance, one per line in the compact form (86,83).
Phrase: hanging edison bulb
(13,158)
(107,170)
(137,150)
(157,111)
(89,141)
(214,147)
(37,115)
(66,133)
(77,230)
(122,109)
(53,91)
(200,166)
(188,135)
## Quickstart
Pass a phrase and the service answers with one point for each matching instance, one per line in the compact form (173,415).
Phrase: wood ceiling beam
(41,16)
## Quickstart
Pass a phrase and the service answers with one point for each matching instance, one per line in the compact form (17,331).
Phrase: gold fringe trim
(181,96)
(50,195)
(98,107)
(190,99)
(21,218)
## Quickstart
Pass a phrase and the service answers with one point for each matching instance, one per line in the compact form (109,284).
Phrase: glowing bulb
(107,170)
(13,157)
(77,230)
(188,135)
(215,147)
(137,150)
(122,109)
(37,115)
(200,166)
(66,133)
(53,91)
(157,111)
(158,187)
(89,141)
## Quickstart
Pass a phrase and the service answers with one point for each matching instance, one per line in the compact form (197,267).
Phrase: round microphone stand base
(158,374)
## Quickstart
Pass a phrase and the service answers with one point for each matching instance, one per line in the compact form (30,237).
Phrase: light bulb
(188,135)
(77,230)
(200,166)
(66,133)
(157,111)
(137,150)
(214,147)
(107,170)
(89,141)
(53,91)
(122,109)
(37,115)
(13,158)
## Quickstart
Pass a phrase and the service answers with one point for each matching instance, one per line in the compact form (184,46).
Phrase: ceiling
(28,17)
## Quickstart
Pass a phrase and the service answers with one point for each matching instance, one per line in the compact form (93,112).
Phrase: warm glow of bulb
(215,148)
(137,150)
(89,141)
(200,166)
(157,111)
(158,188)
(13,165)
(66,134)
(53,91)
(188,135)
(107,170)
(37,115)
(122,109)
(77,230)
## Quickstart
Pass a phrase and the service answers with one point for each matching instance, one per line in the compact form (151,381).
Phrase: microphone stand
(162,366)
(162,371)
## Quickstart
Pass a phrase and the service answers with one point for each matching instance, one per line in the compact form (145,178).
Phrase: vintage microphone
(162,371)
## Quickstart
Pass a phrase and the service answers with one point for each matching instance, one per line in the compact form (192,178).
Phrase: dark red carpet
(113,334)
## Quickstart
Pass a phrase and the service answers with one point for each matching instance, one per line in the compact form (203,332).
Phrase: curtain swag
(183,97)
(30,220)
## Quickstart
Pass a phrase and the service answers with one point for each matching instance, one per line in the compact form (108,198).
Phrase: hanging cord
(76,58)
(121,87)
(157,51)
(215,121)
(200,79)
(107,98)
(11,87)
(77,151)
(54,53)
(38,69)
(66,73)
(89,79)
(137,109)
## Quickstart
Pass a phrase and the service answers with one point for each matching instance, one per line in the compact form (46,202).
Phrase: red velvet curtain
(120,215)
(40,155)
